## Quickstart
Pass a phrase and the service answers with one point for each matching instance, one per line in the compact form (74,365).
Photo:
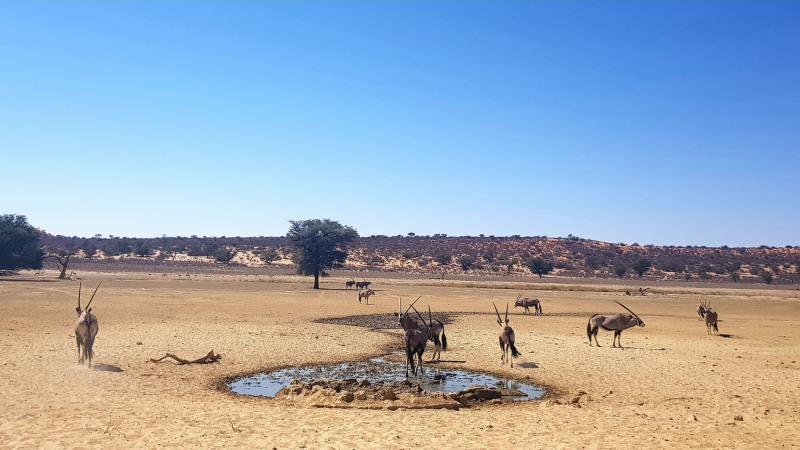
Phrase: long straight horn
(506,312)
(411,305)
(79,294)
(430,317)
(499,320)
(620,304)
(95,292)
(400,305)
(518,297)
(421,318)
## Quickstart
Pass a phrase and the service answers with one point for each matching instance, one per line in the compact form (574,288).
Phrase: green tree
(641,267)
(540,266)
(267,256)
(20,246)
(225,254)
(620,270)
(466,263)
(320,244)
(142,249)
(443,259)
(735,276)
(766,276)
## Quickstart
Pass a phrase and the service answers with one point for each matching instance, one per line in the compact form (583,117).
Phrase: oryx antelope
(349,284)
(528,303)
(363,284)
(437,335)
(711,321)
(365,294)
(416,339)
(702,309)
(506,338)
(85,329)
(615,322)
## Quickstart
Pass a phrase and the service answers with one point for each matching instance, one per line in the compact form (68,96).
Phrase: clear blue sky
(664,123)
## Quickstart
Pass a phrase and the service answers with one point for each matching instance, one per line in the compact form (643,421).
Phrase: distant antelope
(527,303)
(416,339)
(85,329)
(349,284)
(702,309)
(436,326)
(711,322)
(615,322)
(363,284)
(365,294)
(506,338)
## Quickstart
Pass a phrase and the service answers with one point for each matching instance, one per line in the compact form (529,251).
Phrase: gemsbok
(437,335)
(85,329)
(416,339)
(362,284)
(702,309)
(615,322)
(528,303)
(711,322)
(349,284)
(365,294)
(506,338)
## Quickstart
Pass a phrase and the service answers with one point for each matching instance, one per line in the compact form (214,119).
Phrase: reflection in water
(378,370)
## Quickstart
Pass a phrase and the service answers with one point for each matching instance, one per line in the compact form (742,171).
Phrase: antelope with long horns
(363,284)
(528,303)
(711,321)
(85,329)
(437,327)
(703,309)
(365,294)
(615,322)
(349,284)
(416,339)
(506,338)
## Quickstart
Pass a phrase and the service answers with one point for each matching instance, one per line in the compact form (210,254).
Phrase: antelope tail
(444,339)
(716,330)
(589,330)
(410,355)
(514,351)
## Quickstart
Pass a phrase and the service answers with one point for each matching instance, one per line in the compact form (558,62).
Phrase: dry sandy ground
(640,396)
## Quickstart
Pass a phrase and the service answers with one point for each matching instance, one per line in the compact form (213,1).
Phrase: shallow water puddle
(379,370)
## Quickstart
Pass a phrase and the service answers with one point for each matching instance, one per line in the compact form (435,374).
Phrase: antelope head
(517,302)
(400,314)
(639,322)
(88,308)
(499,320)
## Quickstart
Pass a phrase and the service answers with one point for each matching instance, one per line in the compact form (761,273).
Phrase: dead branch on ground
(209,358)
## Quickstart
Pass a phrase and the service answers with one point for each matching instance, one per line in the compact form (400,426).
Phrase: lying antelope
(365,294)
(349,284)
(711,322)
(527,303)
(703,309)
(85,329)
(436,326)
(363,284)
(506,338)
(615,322)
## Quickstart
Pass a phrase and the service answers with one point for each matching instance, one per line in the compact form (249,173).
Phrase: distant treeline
(569,256)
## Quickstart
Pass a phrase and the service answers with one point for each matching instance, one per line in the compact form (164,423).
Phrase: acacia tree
(466,263)
(540,266)
(62,257)
(320,244)
(641,267)
(20,247)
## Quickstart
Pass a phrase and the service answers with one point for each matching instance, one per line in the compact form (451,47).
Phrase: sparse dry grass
(637,397)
